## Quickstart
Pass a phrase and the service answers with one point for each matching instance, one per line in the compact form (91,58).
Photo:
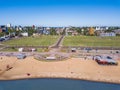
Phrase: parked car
(100,60)
(105,60)
(88,49)
(7,38)
(21,56)
(2,39)
(111,61)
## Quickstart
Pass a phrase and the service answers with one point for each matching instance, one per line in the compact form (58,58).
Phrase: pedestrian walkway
(58,43)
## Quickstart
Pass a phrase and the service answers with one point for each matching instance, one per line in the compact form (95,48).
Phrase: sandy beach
(74,68)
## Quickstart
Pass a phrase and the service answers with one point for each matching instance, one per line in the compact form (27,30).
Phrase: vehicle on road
(2,39)
(21,56)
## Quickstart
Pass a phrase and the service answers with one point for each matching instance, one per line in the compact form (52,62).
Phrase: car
(100,60)
(88,49)
(2,39)
(105,60)
(21,56)
(111,61)
(7,38)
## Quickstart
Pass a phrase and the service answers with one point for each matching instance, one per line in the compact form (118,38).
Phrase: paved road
(57,45)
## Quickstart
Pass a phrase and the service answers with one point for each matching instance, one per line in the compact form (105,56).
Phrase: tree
(85,30)
(64,31)
(10,31)
(17,33)
(91,31)
(109,30)
(31,31)
(53,31)
(1,34)
(79,31)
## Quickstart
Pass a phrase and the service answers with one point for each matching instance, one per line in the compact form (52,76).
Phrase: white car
(105,60)
(111,60)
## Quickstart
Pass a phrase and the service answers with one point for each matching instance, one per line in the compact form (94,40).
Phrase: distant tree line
(53,31)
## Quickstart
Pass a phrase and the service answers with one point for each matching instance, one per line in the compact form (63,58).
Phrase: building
(3,28)
(107,34)
(70,31)
(117,31)
(8,25)
(101,28)
(0,30)
(25,34)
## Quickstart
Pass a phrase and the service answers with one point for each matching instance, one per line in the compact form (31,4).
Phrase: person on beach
(28,74)
(8,67)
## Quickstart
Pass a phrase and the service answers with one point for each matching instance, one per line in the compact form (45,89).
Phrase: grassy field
(91,41)
(34,41)
(9,50)
(16,50)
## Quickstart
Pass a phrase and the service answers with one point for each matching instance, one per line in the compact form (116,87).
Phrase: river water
(56,84)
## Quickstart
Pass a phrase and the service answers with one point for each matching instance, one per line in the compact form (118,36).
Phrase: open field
(46,40)
(9,50)
(91,41)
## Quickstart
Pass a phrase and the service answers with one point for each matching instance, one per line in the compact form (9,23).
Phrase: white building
(25,34)
(107,34)
(101,28)
(9,25)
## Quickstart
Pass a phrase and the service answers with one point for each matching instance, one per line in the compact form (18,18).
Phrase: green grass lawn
(91,41)
(34,41)
(9,50)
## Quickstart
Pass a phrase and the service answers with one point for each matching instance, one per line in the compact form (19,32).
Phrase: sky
(60,12)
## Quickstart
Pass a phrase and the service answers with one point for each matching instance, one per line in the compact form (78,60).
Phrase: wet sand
(74,68)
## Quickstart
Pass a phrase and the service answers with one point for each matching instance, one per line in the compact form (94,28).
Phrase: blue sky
(60,12)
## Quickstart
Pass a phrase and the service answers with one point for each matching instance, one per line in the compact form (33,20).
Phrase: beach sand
(74,68)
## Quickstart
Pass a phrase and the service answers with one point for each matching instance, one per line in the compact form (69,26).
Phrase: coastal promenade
(12,68)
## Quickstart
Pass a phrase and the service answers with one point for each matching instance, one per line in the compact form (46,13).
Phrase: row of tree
(91,30)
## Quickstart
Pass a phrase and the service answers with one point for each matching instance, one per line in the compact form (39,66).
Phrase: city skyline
(60,12)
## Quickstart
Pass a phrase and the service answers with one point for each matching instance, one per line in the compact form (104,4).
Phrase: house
(25,34)
(0,30)
(3,28)
(8,25)
(71,32)
(43,30)
(39,30)
(107,34)
(101,28)
(117,31)
(59,30)
(46,30)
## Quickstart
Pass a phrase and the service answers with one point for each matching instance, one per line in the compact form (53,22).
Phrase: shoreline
(59,77)
(73,68)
